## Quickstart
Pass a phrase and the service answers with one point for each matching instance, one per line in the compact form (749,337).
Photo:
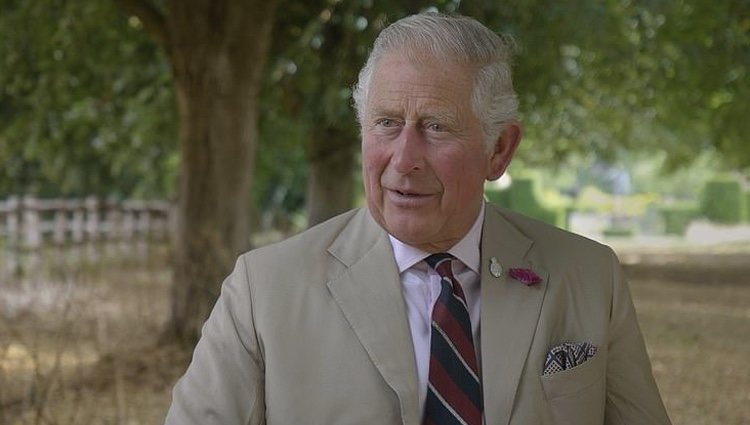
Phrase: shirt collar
(466,250)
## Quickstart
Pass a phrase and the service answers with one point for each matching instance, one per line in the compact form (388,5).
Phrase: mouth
(405,198)
(408,194)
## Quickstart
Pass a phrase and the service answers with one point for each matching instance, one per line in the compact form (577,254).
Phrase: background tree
(86,106)
(651,76)
(217,49)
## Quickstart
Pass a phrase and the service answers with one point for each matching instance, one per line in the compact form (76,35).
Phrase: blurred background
(145,143)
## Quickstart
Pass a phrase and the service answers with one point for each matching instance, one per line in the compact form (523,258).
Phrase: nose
(408,155)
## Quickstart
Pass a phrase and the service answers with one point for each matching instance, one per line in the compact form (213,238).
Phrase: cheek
(372,168)
(464,179)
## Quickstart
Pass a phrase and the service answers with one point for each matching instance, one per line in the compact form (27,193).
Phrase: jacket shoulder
(550,239)
(316,238)
(302,257)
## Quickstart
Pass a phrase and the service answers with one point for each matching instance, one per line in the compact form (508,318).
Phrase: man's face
(423,154)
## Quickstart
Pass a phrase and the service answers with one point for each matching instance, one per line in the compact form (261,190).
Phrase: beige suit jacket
(313,330)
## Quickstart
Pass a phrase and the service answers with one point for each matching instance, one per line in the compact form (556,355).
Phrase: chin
(409,233)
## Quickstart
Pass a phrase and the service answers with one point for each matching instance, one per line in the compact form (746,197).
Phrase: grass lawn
(698,337)
(77,345)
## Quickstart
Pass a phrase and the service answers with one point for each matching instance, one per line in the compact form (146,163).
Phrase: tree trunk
(218,49)
(330,180)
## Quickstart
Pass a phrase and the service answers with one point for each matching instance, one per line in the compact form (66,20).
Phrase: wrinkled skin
(423,151)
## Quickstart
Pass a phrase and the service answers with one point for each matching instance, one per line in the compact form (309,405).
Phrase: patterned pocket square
(567,356)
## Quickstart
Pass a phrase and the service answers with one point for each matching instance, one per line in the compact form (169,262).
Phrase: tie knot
(441,263)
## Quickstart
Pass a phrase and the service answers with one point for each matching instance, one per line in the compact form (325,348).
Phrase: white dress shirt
(421,288)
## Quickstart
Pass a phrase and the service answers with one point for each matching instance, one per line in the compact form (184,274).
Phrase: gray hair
(454,38)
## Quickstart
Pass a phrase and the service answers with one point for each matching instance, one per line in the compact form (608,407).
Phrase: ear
(504,149)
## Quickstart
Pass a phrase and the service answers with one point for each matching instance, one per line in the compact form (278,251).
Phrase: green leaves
(87,105)
(612,76)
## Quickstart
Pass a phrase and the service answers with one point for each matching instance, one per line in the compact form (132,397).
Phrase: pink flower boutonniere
(525,276)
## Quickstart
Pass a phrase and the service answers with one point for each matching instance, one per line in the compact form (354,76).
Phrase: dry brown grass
(694,308)
(78,343)
(699,340)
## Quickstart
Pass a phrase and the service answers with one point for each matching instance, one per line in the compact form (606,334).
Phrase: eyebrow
(380,111)
(442,116)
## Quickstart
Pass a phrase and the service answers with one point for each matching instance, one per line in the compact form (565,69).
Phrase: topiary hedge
(678,217)
(524,196)
(724,201)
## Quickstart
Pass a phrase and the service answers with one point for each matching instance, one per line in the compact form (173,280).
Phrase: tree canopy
(618,75)
(86,102)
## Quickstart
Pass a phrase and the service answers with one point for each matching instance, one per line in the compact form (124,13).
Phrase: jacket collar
(510,312)
(369,294)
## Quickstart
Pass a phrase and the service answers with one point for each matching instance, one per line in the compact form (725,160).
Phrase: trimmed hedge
(524,196)
(618,232)
(724,201)
(678,217)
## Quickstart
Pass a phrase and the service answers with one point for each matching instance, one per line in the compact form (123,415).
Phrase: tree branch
(154,21)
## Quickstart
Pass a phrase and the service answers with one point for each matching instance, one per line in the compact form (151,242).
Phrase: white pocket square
(567,356)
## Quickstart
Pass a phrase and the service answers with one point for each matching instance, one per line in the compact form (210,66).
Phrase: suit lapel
(510,312)
(369,294)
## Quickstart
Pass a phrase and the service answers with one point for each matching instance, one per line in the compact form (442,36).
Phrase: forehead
(408,82)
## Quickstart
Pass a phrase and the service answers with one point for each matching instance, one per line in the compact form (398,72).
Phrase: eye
(386,122)
(435,127)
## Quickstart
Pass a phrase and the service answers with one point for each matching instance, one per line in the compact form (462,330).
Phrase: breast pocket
(576,396)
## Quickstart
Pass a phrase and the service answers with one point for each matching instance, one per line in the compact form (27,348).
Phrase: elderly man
(429,306)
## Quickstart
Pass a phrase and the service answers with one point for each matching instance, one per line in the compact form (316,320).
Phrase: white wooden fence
(30,223)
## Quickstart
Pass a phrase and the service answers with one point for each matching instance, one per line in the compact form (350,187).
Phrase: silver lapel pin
(495,268)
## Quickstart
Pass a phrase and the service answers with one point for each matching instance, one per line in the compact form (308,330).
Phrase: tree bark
(332,148)
(330,180)
(218,51)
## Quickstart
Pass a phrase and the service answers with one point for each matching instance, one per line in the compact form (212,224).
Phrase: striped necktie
(454,390)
